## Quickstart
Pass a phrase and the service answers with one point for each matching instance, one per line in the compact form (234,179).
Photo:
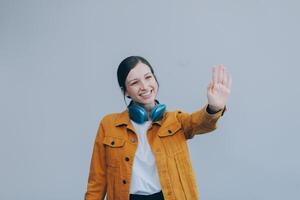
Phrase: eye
(133,83)
(148,77)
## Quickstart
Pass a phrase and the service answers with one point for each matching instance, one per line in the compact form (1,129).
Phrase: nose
(143,85)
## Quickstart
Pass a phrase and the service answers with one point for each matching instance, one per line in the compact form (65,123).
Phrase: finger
(225,77)
(210,87)
(214,74)
(221,74)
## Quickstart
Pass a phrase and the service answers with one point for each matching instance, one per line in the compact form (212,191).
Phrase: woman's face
(141,85)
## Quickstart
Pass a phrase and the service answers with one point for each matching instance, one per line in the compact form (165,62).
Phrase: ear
(126,94)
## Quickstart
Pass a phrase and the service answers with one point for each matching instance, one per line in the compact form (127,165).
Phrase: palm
(218,89)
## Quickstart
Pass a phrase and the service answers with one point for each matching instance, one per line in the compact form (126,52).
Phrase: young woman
(142,153)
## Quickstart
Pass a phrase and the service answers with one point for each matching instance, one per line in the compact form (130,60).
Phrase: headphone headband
(138,114)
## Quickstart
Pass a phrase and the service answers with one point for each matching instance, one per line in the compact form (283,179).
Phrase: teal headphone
(138,114)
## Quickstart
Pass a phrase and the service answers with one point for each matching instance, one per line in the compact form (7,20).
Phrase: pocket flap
(170,130)
(113,141)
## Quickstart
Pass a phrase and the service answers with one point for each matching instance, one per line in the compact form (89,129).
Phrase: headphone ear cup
(158,112)
(137,113)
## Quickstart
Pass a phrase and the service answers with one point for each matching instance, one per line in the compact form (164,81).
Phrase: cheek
(131,91)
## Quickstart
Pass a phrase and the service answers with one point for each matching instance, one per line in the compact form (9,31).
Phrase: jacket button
(124,181)
(127,159)
(132,140)
(112,143)
(169,131)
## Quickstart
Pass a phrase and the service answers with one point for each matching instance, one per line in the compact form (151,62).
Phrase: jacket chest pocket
(172,139)
(114,148)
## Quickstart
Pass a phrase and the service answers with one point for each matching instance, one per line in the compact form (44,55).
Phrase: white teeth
(145,94)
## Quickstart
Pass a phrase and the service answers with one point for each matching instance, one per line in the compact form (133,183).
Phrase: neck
(148,107)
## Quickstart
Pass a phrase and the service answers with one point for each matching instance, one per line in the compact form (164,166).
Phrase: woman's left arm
(205,119)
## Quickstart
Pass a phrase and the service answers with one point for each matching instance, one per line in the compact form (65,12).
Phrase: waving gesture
(218,89)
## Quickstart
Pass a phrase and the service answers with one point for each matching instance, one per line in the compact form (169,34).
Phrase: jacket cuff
(212,113)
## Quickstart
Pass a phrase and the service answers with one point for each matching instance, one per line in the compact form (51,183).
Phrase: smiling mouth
(146,94)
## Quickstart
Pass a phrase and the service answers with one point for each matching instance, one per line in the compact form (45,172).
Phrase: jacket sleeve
(96,188)
(199,122)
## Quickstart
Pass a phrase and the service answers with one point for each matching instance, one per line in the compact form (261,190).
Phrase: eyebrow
(148,73)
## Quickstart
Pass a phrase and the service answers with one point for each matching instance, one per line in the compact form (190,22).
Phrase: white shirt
(144,178)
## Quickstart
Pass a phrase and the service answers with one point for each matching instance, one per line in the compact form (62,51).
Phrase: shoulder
(111,117)
(110,122)
(174,116)
(115,119)
(176,112)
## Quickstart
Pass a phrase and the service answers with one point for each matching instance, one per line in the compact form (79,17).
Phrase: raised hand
(218,89)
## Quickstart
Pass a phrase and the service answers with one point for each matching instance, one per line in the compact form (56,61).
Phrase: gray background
(58,62)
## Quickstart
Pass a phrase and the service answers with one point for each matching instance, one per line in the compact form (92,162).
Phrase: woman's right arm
(96,188)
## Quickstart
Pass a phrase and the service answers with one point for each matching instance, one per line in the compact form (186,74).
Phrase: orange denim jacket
(116,143)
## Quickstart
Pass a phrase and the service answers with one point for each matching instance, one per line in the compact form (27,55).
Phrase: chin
(147,102)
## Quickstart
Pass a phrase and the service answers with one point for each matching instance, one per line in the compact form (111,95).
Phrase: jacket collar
(169,124)
(122,118)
